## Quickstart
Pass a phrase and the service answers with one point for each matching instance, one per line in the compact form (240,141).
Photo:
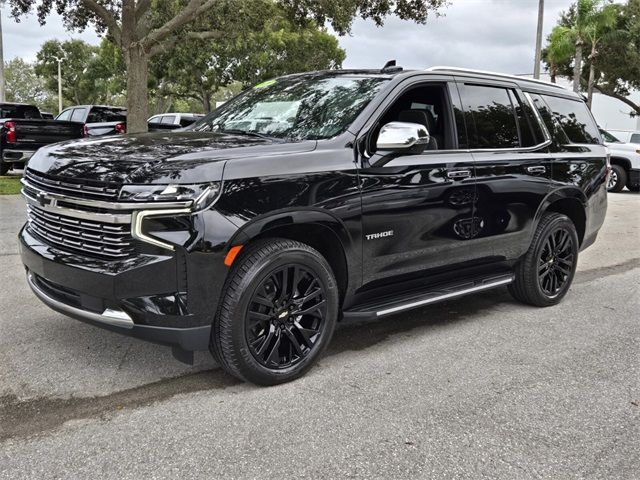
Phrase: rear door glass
(575,119)
(78,114)
(64,115)
(103,114)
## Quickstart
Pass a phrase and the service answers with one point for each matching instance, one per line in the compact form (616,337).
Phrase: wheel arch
(623,162)
(570,202)
(315,228)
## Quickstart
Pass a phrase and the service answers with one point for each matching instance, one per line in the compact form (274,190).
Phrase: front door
(417,207)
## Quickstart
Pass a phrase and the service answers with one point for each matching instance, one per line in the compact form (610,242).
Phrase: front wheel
(277,314)
(544,274)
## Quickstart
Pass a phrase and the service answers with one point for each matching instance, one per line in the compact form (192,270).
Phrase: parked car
(172,121)
(365,193)
(625,164)
(23,131)
(626,136)
(99,120)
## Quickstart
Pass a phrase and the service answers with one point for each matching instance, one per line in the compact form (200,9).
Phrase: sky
(497,35)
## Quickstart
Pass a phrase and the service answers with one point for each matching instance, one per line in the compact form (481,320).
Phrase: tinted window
(78,114)
(490,117)
(635,138)
(186,121)
(557,134)
(106,114)
(575,119)
(530,130)
(19,111)
(608,137)
(64,115)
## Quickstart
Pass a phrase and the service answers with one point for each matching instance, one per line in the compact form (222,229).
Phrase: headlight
(201,194)
(158,201)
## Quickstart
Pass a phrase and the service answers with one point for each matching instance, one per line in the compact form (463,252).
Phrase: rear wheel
(617,179)
(278,312)
(544,275)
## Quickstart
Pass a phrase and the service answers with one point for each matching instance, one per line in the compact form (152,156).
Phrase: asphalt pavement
(479,387)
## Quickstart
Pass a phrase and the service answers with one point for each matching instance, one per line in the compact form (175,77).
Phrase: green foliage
(24,86)
(10,185)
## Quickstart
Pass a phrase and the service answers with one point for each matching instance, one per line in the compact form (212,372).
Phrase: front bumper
(144,297)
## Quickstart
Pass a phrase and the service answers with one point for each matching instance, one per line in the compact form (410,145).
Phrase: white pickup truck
(625,164)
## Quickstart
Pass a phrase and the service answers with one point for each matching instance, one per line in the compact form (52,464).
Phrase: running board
(438,293)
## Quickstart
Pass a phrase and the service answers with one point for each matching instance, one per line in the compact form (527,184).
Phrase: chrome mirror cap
(402,135)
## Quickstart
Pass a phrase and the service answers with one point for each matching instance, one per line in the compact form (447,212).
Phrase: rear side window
(168,119)
(575,119)
(102,114)
(19,111)
(557,134)
(490,117)
(635,138)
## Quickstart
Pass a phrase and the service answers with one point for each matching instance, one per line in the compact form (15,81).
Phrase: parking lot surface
(479,387)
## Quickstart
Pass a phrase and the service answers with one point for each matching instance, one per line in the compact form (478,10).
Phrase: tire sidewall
(620,179)
(252,370)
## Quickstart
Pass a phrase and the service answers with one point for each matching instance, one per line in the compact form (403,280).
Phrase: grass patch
(10,185)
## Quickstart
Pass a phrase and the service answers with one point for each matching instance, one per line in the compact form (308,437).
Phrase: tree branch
(107,17)
(622,98)
(204,35)
(189,13)
(141,8)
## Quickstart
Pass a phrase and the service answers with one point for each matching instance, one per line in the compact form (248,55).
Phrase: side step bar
(434,294)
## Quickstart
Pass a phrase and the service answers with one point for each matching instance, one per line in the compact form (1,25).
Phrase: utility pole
(1,60)
(59,60)
(536,66)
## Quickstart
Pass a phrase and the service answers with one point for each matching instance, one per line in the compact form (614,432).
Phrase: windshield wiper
(234,131)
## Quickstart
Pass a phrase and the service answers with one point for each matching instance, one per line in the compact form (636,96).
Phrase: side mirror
(402,136)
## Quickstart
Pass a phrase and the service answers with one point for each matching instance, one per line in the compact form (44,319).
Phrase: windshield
(608,137)
(294,108)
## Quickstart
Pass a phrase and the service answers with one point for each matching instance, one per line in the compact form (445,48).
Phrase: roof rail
(495,74)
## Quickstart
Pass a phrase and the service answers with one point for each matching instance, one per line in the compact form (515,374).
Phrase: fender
(562,193)
(350,240)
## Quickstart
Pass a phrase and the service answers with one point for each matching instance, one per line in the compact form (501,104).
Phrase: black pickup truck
(23,131)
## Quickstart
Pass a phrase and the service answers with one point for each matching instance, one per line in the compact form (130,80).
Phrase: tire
(543,276)
(265,334)
(4,168)
(617,179)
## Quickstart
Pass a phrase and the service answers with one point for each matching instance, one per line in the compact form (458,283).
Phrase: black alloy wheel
(286,317)
(277,314)
(555,265)
(544,274)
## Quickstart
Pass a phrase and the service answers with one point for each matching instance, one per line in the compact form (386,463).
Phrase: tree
(613,67)
(23,85)
(141,32)
(559,50)
(272,45)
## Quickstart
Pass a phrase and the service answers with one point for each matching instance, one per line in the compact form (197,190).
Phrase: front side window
(575,119)
(608,137)
(168,119)
(302,107)
(490,117)
(64,115)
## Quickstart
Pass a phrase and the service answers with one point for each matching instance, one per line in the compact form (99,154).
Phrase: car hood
(623,147)
(162,157)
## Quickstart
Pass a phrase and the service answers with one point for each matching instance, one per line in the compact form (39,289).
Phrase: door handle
(537,169)
(459,174)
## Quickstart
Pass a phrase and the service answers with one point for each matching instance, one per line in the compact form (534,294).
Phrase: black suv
(314,198)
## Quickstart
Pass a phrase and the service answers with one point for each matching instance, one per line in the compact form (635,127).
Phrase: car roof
(397,72)
(101,106)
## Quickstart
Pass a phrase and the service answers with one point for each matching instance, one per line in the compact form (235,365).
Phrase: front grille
(91,238)
(73,187)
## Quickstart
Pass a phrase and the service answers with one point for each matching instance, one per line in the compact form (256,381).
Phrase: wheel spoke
(309,310)
(273,354)
(258,317)
(305,333)
(262,300)
(268,338)
(294,341)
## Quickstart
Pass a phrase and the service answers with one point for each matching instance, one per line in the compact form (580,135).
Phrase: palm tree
(560,49)
(599,23)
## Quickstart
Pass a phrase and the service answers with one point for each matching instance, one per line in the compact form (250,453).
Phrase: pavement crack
(19,419)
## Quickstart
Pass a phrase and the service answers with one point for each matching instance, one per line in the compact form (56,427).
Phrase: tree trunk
(206,102)
(592,76)
(577,66)
(553,72)
(137,61)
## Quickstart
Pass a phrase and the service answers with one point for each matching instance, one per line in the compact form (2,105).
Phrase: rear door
(512,166)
